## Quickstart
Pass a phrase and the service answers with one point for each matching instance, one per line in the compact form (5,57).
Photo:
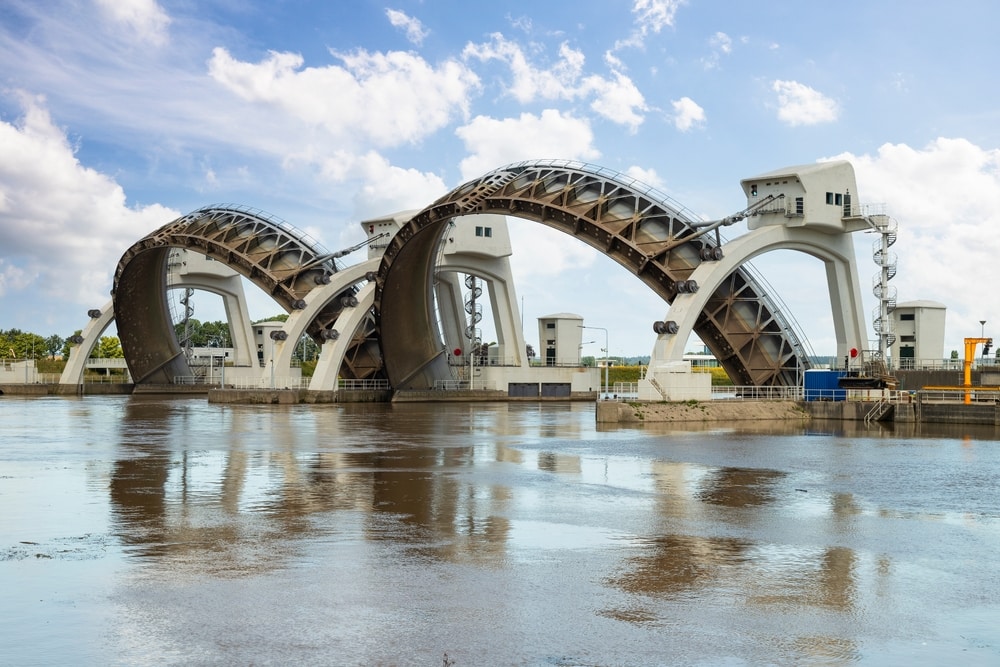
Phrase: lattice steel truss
(284,262)
(637,226)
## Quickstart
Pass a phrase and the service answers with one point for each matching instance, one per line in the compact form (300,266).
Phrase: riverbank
(700,411)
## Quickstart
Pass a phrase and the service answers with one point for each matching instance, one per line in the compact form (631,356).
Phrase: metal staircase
(885,293)
(474,309)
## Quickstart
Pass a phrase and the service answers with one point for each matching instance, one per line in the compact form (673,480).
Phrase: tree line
(17,344)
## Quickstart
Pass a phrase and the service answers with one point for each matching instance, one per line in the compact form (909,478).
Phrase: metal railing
(363,385)
(981,395)
(249,383)
(939,364)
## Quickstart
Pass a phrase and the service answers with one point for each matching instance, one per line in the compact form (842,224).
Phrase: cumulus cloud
(616,98)
(798,104)
(945,198)
(386,98)
(493,143)
(560,81)
(145,20)
(384,188)
(414,29)
(687,114)
(619,100)
(63,226)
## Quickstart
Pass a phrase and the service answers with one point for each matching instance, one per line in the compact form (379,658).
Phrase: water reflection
(399,483)
(503,534)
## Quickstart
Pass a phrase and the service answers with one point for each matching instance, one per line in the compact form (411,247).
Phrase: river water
(156,531)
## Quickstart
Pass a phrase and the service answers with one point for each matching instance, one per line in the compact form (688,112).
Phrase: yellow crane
(970,355)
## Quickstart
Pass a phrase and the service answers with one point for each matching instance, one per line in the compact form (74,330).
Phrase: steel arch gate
(275,256)
(638,227)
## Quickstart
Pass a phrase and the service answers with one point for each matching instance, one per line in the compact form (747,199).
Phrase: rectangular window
(906,317)
(550,325)
(908,339)
(829,197)
(799,206)
(838,199)
(479,231)
(489,232)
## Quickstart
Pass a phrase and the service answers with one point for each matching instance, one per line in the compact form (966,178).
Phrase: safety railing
(261,383)
(363,385)
(981,395)
(752,393)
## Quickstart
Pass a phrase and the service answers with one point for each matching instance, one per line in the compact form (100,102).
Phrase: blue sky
(116,116)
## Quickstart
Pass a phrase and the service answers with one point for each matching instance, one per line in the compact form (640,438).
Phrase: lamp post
(982,332)
(606,353)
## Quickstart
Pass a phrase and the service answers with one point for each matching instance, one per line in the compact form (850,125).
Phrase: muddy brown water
(154,531)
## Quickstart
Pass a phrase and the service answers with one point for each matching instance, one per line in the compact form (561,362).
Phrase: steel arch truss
(640,228)
(281,260)
(835,251)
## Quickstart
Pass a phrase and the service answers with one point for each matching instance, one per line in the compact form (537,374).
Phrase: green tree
(283,317)
(108,347)
(54,344)
(204,334)
(17,344)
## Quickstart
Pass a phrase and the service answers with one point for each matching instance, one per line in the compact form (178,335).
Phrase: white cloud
(545,256)
(493,143)
(651,16)
(687,114)
(646,176)
(385,188)
(387,98)
(655,15)
(560,81)
(616,98)
(722,45)
(945,198)
(619,100)
(63,226)
(414,29)
(721,42)
(145,19)
(798,104)
(12,278)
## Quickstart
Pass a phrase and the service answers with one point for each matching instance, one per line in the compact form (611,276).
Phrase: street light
(607,353)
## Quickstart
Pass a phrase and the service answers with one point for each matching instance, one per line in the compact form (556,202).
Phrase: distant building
(560,336)
(919,327)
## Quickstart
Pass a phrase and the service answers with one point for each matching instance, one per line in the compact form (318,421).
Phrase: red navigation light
(457,351)
(854,352)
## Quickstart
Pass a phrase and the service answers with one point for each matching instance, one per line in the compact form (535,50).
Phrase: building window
(488,232)
(829,198)
(907,339)
(550,325)
(799,206)
(838,199)
(906,317)
(479,231)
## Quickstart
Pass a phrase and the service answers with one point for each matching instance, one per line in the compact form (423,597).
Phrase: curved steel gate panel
(638,227)
(272,254)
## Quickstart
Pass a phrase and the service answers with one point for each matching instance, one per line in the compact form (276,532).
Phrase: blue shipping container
(821,385)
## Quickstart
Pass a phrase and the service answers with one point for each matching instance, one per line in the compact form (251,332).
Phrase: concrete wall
(87,389)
